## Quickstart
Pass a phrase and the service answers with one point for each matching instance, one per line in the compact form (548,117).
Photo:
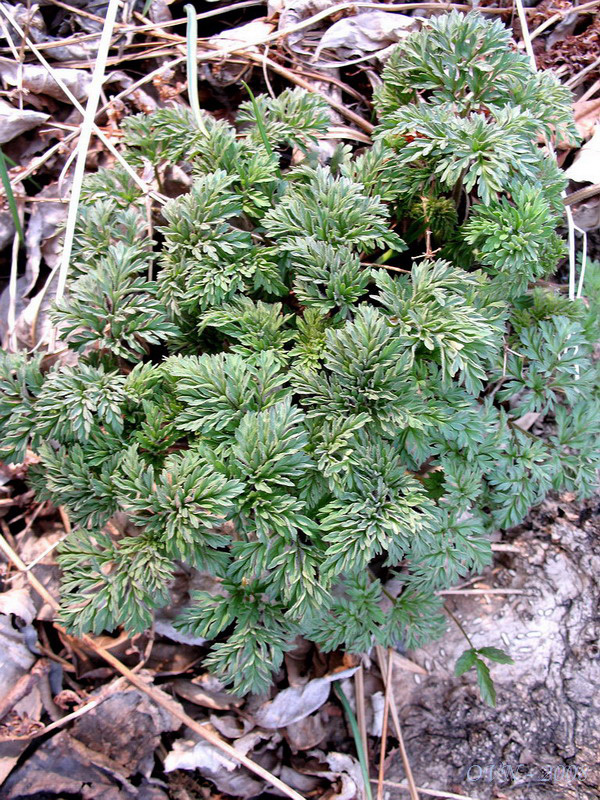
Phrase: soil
(542,740)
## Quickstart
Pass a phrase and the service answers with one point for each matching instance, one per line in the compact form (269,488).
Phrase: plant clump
(314,382)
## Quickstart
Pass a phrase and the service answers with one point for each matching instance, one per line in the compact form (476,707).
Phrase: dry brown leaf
(14,121)
(297,702)
(344,771)
(295,11)
(36,79)
(231,727)
(68,768)
(586,215)
(305,734)
(207,692)
(293,704)
(587,115)
(42,237)
(195,753)
(125,727)
(586,167)
(365,33)
(19,603)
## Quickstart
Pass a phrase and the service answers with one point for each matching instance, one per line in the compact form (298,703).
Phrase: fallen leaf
(298,781)
(586,215)
(14,121)
(16,662)
(16,657)
(231,727)
(377,703)
(586,166)
(295,11)
(37,80)
(19,603)
(345,771)
(43,237)
(587,115)
(125,727)
(207,695)
(365,33)
(195,753)
(305,734)
(297,702)
(62,766)
(246,36)
(293,704)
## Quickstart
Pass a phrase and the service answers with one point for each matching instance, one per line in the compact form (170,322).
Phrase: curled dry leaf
(295,11)
(587,116)
(586,215)
(194,753)
(586,167)
(62,766)
(206,692)
(14,121)
(353,37)
(306,734)
(245,37)
(36,79)
(230,726)
(344,771)
(297,702)
(125,727)
(19,603)
(43,235)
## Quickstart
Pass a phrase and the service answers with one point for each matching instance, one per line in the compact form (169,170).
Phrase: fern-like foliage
(312,382)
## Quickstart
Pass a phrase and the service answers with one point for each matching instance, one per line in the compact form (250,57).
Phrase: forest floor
(73,722)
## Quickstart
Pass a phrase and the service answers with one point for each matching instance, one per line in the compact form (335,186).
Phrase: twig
(160,699)
(582,194)
(483,591)
(525,34)
(589,92)
(11,317)
(23,686)
(578,78)
(384,730)
(361,717)
(412,787)
(429,792)
(582,9)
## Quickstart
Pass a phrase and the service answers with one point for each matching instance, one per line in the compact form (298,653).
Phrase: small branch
(411,785)
(23,686)
(386,713)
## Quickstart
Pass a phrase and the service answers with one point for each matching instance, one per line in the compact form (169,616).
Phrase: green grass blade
(259,119)
(12,203)
(360,751)
(192,67)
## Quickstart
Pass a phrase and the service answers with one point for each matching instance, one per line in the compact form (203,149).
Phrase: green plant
(319,397)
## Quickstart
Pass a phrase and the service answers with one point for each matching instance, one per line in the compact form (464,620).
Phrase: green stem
(457,622)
